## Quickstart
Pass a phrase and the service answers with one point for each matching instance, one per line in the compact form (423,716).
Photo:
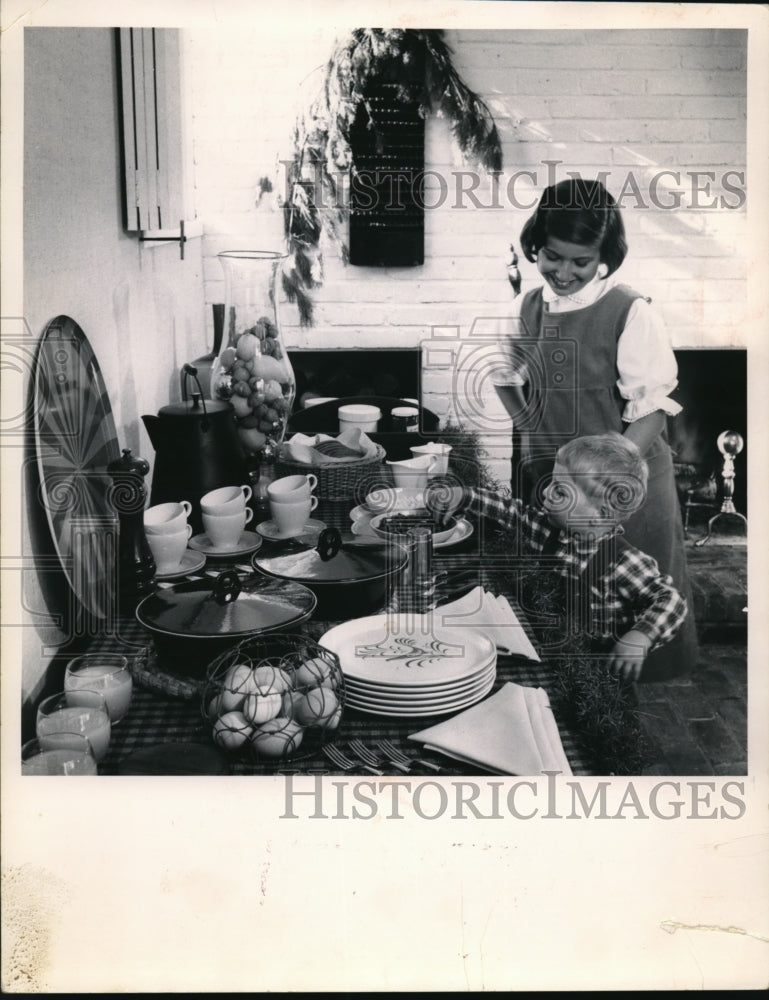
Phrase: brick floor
(697,725)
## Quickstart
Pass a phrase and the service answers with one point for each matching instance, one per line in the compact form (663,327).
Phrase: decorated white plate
(415,711)
(419,696)
(191,562)
(376,650)
(248,542)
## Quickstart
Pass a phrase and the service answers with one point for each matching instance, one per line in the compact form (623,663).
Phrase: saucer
(463,530)
(269,529)
(248,542)
(191,563)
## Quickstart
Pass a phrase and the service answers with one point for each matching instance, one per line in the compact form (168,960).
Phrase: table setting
(343,629)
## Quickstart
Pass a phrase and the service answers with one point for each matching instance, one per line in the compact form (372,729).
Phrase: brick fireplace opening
(390,372)
(713,392)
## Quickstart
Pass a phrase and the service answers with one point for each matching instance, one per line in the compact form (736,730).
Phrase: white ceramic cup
(441,452)
(167,549)
(224,530)
(166,518)
(292,488)
(412,473)
(226,500)
(290,518)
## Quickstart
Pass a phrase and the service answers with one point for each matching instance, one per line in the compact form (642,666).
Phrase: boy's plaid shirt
(626,590)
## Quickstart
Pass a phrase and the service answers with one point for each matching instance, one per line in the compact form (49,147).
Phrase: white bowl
(381,532)
(388,498)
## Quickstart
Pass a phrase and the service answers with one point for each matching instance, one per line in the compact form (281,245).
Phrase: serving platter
(75,441)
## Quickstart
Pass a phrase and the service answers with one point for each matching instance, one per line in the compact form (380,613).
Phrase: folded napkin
(323,449)
(512,732)
(491,615)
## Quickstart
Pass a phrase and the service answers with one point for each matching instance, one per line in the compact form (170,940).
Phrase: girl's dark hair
(577,211)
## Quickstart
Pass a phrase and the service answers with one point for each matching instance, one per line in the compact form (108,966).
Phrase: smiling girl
(593,356)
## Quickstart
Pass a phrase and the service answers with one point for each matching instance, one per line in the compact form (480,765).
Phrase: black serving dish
(348,576)
(195,621)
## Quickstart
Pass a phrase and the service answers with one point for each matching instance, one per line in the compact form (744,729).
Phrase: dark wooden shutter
(387,140)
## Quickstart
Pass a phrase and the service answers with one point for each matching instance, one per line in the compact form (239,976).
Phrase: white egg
(312,672)
(215,708)
(290,700)
(334,720)
(258,708)
(317,707)
(271,680)
(277,737)
(231,730)
(238,683)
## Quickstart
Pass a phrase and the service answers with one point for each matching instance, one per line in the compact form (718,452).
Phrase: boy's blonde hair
(609,469)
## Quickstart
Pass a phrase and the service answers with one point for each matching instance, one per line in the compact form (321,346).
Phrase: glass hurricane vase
(252,370)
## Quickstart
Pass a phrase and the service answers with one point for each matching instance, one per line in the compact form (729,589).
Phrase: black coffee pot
(197,449)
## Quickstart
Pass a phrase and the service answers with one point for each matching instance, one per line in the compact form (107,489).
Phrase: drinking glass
(66,754)
(107,673)
(80,711)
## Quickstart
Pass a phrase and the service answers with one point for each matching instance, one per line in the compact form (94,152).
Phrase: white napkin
(491,615)
(302,447)
(512,732)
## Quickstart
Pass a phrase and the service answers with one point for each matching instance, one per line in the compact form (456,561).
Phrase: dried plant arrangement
(421,64)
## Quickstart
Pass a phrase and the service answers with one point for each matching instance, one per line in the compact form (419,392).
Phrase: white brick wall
(627,104)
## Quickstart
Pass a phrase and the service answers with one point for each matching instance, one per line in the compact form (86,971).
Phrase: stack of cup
(225,516)
(167,532)
(291,502)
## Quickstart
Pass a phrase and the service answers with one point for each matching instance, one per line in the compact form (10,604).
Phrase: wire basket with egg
(274,697)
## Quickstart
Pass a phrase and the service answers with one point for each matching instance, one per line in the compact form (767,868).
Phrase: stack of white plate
(402,665)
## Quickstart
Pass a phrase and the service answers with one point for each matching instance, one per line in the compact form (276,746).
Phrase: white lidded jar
(360,415)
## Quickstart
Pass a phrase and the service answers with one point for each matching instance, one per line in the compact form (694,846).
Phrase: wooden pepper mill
(128,495)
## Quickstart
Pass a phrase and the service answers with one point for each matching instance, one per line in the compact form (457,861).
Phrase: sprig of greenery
(420,64)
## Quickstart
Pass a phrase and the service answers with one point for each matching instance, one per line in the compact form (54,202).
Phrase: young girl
(592,356)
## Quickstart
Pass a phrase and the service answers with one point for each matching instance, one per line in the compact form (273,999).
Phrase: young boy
(598,481)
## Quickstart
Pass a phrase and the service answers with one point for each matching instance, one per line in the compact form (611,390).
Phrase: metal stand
(730,443)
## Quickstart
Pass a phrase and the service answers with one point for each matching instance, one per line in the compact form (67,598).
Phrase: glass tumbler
(107,673)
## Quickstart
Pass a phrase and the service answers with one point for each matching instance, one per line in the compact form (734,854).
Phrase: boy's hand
(443,499)
(627,657)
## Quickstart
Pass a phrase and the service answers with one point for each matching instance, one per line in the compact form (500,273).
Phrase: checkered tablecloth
(156,718)
(166,710)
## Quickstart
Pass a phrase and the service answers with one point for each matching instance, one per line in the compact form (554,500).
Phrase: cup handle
(313,503)
(432,463)
(312,480)
(247,494)
(249,514)
(189,531)
(187,507)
